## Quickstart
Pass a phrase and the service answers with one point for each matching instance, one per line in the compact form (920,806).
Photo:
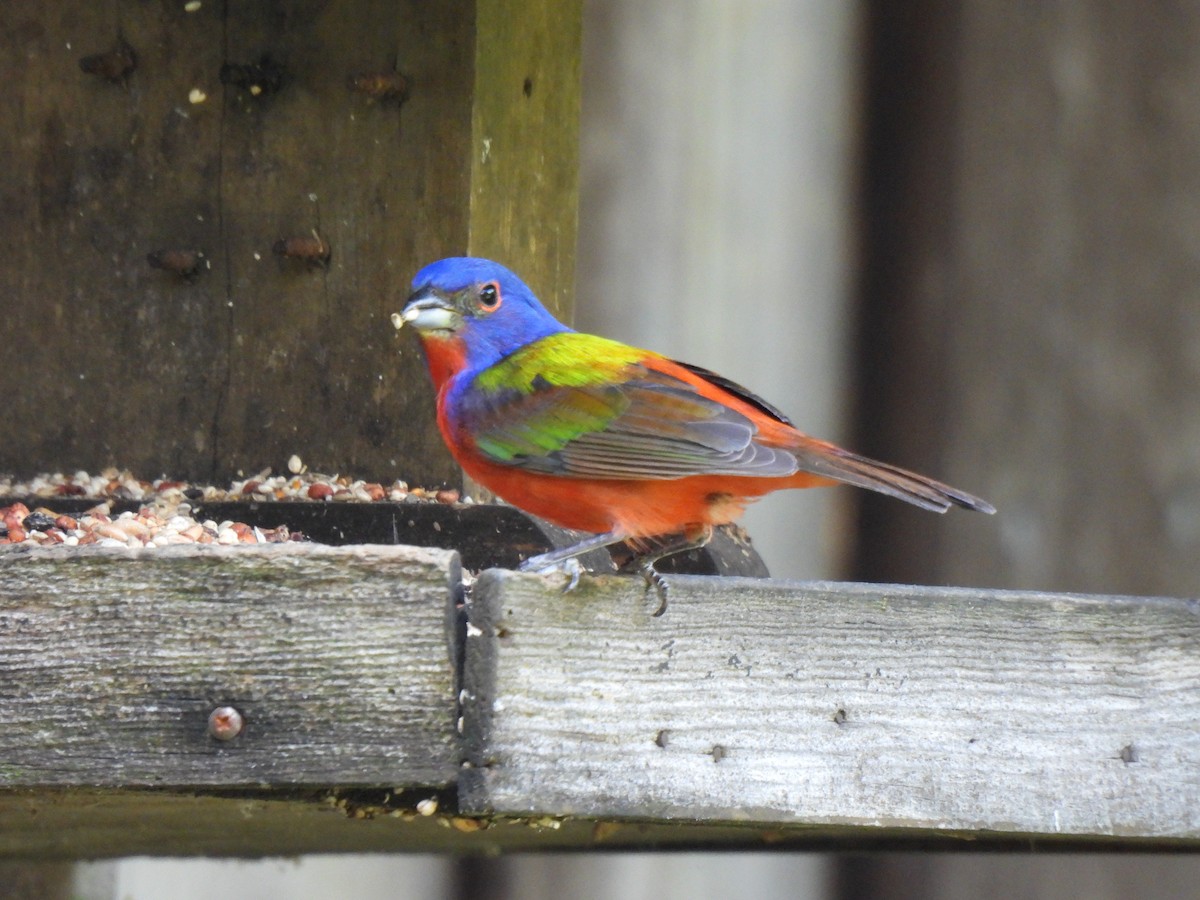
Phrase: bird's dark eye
(489,296)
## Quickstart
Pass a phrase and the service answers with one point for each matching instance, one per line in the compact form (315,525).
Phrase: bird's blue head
(479,303)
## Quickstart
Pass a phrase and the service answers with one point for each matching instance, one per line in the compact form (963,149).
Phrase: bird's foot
(552,557)
(566,559)
(655,579)
(640,554)
(645,552)
(571,567)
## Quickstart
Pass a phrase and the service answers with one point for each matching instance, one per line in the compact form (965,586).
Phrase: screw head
(225,723)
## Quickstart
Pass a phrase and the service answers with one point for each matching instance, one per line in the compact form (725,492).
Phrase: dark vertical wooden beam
(43,880)
(106,361)
(894,876)
(1029,309)
(905,232)
(102,358)
(312,358)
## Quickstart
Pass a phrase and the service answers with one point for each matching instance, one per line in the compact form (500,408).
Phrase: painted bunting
(598,436)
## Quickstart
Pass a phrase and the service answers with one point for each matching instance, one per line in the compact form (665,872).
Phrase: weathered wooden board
(882,707)
(338,659)
(259,356)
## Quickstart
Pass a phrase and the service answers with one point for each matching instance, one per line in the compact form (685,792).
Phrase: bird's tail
(830,461)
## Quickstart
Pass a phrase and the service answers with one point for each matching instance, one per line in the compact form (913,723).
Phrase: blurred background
(963,237)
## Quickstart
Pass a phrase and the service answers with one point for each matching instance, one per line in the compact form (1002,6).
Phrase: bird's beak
(427,311)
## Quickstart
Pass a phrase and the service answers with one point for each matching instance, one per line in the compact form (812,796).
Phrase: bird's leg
(647,551)
(565,559)
(643,553)
(562,554)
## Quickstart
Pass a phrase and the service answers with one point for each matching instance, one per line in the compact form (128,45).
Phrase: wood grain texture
(260,357)
(819,704)
(338,659)
(312,364)
(525,142)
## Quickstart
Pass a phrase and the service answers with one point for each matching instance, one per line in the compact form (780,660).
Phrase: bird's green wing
(582,406)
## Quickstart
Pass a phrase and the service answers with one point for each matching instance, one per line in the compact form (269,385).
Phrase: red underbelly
(635,507)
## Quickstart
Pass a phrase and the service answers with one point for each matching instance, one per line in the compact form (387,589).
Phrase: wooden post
(255,356)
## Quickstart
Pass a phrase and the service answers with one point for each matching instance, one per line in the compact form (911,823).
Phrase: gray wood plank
(887,708)
(338,659)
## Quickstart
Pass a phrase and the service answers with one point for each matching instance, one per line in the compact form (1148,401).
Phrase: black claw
(655,579)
